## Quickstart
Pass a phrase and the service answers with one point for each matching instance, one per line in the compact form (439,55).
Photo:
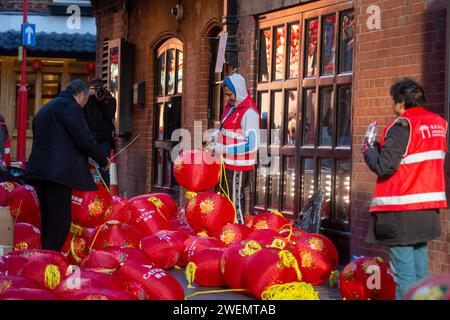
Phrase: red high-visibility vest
(7,147)
(232,133)
(419,182)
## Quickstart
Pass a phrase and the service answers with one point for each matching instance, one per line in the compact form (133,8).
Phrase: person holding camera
(100,111)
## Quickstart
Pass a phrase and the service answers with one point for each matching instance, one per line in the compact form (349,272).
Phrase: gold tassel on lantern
(190,195)
(291,291)
(52,277)
(190,271)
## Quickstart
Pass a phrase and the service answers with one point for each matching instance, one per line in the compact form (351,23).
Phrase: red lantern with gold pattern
(268,267)
(204,268)
(26,236)
(91,208)
(264,236)
(433,288)
(49,256)
(194,244)
(318,256)
(10,265)
(28,294)
(165,203)
(209,212)
(36,65)
(82,279)
(233,233)
(269,220)
(24,205)
(15,282)
(114,234)
(196,170)
(44,272)
(367,278)
(146,282)
(90,66)
(100,259)
(96,294)
(121,210)
(232,263)
(146,216)
(6,189)
(164,248)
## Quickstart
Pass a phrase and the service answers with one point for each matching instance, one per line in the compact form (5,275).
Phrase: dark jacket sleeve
(384,161)
(3,138)
(75,123)
(108,107)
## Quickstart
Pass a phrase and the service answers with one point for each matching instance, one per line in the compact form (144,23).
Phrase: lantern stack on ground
(120,249)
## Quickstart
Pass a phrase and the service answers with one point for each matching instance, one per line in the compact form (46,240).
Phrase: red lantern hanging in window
(37,65)
(90,66)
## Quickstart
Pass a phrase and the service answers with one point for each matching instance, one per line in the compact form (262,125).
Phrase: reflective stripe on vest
(235,162)
(233,135)
(424,156)
(409,199)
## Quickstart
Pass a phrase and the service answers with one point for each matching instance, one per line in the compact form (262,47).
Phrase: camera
(100,91)
(177,12)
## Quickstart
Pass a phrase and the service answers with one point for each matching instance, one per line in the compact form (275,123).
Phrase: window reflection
(262,174)
(347,41)
(291,117)
(294,50)
(326,115)
(279,52)
(344,116)
(325,181)
(309,132)
(275,174)
(264,104)
(264,66)
(289,184)
(308,179)
(180,72)
(171,72)
(161,74)
(343,190)
(311,45)
(328,45)
(277,112)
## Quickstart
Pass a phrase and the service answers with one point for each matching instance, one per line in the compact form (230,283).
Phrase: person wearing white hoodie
(237,139)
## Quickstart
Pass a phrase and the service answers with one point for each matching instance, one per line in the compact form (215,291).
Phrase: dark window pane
(172,118)
(261,179)
(279,52)
(307,179)
(294,50)
(347,41)
(159,167)
(312,28)
(161,74)
(344,116)
(325,182)
(275,175)
(291,117)
(309,132)
(160,122)
(171,71)
(277,112)
(167,169)
(179,72)
(343,190)
(326,116)
(265,50)
(264,104)
(289,184)
(328,45)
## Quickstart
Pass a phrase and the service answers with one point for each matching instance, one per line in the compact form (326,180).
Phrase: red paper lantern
(37,65)
(269,220)
(91,208)
(100,259)
(114,234)
(15,282)
(75,248)
(264,236)
(49,256)
(367,278)
(28,294)
(24,205)
(146,282)
(96,294)
(197,243)
(26,236)
(124,255)
(209,212)
(204,268)
(10,265)
(233,233)
(181,225)
(248,219)
(433,288)
(318,256)
(146,217)
(164,248)
(268,267)
(165,203)
(6,189)
(232,263)
(90,66)
(44,272)
(121,210)
(81,280)
(196,170)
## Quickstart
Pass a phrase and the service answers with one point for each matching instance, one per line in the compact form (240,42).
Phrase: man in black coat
(62,143)
(100,112)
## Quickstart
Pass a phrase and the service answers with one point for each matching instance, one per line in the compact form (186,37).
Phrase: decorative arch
(212,26)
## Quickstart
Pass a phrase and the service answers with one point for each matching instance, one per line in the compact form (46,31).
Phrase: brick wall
(151,23)
(33,6)
(411,42)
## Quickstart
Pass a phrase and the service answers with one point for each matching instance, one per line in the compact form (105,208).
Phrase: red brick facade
(33,6)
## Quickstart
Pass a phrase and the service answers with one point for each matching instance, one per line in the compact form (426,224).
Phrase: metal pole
(22,105)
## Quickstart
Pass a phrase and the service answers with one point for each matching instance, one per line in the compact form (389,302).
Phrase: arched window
(168,92)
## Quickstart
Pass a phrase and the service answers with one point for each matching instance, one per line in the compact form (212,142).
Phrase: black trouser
(55,204)
(237,182)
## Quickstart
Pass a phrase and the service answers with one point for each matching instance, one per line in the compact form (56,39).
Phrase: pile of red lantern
(121,249)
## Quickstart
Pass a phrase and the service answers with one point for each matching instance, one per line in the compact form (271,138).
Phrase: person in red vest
(237,139)
(5,145)
(410,188)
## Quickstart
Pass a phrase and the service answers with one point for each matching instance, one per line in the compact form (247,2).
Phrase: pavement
(325,292)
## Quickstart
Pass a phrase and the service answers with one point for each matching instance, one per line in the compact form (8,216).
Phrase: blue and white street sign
(28,34)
